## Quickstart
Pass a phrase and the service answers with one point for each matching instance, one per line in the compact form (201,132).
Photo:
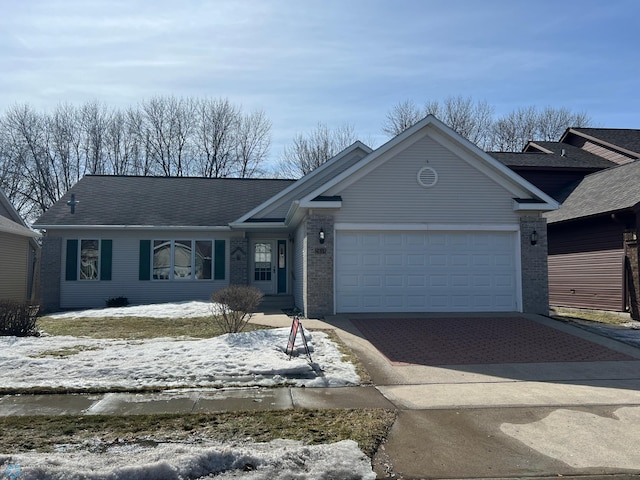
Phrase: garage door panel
(425,271)
(438,260)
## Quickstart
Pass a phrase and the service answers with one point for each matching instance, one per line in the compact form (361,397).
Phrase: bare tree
(552,122)
(168,125)
(514,130)
(476,122)
(216,126)
(402,116)
(310,151)
(253,139)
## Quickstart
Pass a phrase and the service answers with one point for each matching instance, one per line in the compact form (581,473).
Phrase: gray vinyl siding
(281,207)
(125,272)
(14,257)
(392,194)
(299,265)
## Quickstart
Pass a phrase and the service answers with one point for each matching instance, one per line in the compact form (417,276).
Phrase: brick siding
(239,261)
(318,286)
(535,272)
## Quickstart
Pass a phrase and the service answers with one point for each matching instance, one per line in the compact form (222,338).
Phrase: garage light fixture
(534,237)
(321,235)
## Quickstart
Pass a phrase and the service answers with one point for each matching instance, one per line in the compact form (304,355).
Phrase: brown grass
(368,427)
(134,327)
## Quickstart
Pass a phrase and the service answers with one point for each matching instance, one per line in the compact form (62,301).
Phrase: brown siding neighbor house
(593,248)
(18,255)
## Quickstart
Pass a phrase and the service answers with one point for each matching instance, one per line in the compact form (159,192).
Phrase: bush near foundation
(236,306)
(18,318)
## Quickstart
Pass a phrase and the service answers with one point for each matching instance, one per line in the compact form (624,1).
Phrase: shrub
(18,318)
(237,303)
(117,302)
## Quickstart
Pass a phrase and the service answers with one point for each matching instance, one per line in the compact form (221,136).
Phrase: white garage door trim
(493,250)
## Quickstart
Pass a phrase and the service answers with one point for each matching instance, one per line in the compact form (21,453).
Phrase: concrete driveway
(545,398)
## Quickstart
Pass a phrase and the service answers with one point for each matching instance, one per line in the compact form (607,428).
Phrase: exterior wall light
(321,235)
(534,237)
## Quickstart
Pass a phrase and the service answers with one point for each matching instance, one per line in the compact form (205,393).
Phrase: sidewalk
(193,401)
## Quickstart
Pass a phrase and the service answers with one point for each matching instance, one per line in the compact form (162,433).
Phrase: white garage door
(425,271)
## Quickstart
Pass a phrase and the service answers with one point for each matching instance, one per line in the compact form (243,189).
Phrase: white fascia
(430,227)
(133,227)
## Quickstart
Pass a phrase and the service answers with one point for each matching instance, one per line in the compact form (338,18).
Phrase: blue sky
(329,61)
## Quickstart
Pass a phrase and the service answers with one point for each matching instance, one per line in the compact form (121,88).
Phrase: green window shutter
(71,273)
(106,256)
(219,260)
(145,260)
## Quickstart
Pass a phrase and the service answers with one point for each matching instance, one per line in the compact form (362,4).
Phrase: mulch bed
(478,341)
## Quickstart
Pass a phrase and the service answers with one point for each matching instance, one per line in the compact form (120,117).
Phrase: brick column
(535,271)
(239,261)
(318,288)
(50,273)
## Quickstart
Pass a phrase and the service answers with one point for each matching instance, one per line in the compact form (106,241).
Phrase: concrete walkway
(542,420)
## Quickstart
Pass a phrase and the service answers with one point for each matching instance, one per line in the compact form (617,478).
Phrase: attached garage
(426,271)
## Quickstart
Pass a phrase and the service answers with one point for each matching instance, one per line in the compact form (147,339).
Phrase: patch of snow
(280,459)
(163,310)
(238,359)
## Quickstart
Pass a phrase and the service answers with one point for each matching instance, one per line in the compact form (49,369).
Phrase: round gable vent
(427,177)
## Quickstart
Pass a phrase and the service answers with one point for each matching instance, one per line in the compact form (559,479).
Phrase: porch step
(276,303)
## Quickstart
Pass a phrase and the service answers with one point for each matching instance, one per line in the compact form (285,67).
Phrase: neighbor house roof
(13,223)
(571,160)
(607,191)
(625,138)
(105,200)
(570,154)
(9,226)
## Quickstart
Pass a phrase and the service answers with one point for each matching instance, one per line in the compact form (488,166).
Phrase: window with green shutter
(89,259)
(144,270)
(219,260)
(71,273)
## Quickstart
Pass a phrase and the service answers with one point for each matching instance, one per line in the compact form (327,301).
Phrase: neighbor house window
(182,259)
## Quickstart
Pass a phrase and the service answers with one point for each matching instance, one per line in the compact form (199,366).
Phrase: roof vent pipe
(563,153)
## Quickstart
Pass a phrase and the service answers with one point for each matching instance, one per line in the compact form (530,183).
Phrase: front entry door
(264,266)
(269,266)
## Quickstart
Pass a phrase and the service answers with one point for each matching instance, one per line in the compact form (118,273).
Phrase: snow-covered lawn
(252,358)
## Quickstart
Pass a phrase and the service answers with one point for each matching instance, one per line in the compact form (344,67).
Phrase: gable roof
(497,170)
(607,191)
(625,139)
(110,201)
(331,167)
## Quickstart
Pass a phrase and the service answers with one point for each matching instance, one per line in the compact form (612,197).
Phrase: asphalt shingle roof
(574,157)
(160,201)
(627,138)
(610,190)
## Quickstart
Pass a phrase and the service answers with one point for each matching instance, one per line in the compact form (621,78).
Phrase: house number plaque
(321,251)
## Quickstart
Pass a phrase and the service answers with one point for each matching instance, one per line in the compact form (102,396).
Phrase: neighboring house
(593,250)
(19,253)
(425,223)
